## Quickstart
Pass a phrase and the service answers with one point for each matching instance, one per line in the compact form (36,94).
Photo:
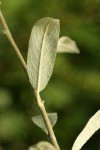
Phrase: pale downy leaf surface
(38,120)
(91,127)
(42,146)
(67,45)
(42,51)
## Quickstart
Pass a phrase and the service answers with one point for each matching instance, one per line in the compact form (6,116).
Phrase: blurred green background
(74,89)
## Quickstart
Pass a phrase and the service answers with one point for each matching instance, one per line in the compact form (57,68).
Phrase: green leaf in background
(13,125)
(91,127)
(38,120)
(67,45)
(5,99)
(42,52)
(42,146)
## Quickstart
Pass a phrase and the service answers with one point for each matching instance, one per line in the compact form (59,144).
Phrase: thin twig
(41,106)
(38,98)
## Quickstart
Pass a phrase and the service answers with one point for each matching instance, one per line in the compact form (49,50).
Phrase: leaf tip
(91,127)
(67,45)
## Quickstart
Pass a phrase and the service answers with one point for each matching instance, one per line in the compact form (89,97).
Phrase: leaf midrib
(42,47)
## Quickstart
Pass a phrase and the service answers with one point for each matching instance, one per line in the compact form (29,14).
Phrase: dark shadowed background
(74,89)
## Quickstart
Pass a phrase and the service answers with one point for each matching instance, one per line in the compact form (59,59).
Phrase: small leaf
(92,126)
(42,146)
(38,120)
(67,45)
(42,52)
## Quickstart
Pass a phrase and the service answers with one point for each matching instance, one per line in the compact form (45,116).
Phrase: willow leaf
(67,45)
(42,52)
(38,120)
(92,126)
